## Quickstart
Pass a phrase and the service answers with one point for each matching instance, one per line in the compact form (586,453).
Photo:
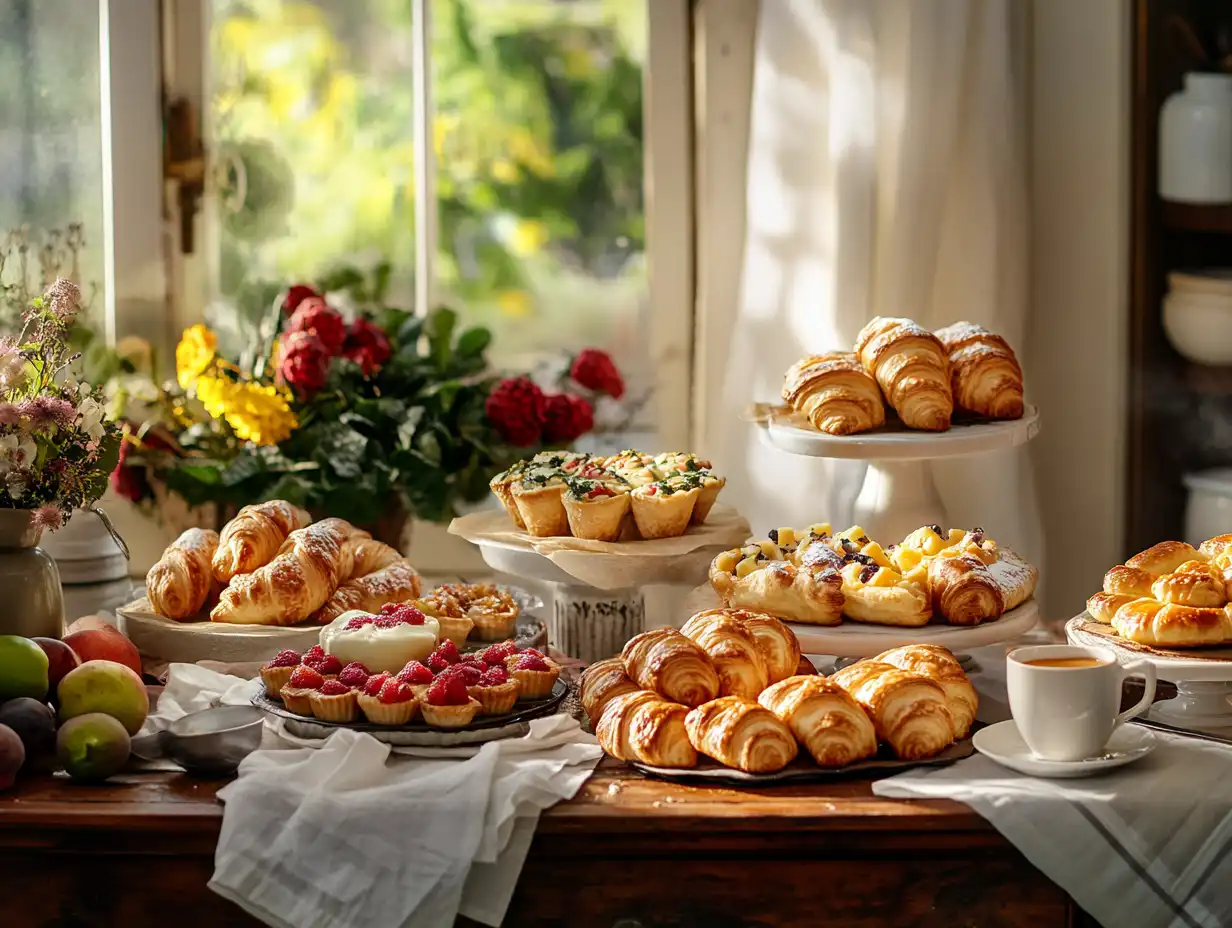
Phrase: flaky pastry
(755,577)
(835,393)
(823,716)
(909,711)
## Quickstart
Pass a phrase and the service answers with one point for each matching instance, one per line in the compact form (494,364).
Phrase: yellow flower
(194,354)
(259,413)
(529,236)
(514,303)
(214,394)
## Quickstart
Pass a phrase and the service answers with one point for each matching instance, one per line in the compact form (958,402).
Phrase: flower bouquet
(375,417)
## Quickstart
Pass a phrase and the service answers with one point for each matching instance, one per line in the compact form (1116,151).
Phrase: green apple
(23,668)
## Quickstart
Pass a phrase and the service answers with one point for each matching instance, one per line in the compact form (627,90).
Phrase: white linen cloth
(353,833)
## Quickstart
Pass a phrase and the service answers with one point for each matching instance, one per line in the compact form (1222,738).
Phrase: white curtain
(886,176)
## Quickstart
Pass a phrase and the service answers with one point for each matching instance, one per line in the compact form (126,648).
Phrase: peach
(60,660)
(89,623)
(96,644)
(92,747)
(107,687)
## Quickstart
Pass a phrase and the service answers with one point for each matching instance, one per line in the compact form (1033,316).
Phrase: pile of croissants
(726,685)
(923,376)
(272,565)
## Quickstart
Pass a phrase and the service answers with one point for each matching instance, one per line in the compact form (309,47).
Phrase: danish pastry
(1103,606)
(824,718)
(754,577)
(912,368)
(1128,581)
(835,393)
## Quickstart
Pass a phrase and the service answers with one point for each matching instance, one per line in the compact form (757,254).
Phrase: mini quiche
(663,509)
(633,467)
(538,490)
(503,483)
(756,577)
(596,506)
(683,462)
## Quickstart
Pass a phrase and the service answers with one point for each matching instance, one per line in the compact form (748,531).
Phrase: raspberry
(515,407)
(359,622)
(328,665)
(414,673)
(469,673)
(354,674)
(395,690)
(315,653)
(306,678)
(566,418)
(437,664)
(410,615)
(374,684)
(494,676)
(334,688)
(389,608)
(532,652)
(284,659)
(496,654)
(448,651)
(387,621)
(531,662)
(449,689)
(595,370)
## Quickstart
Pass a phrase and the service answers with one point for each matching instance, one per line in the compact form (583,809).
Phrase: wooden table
(626,851)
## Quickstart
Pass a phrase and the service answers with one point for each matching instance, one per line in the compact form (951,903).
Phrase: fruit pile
(73,704)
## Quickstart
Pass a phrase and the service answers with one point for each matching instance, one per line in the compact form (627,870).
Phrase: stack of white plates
(1198,315)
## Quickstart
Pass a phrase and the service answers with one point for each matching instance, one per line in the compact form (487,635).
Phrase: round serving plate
(1203,700)
(420,734)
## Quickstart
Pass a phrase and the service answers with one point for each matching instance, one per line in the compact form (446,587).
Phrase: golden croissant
(835,393)
(985,377)
(741,734)
(778,643)
(732,649)
(181,582)
(667,662)
(254,536)
(645,727)
(963,590)
(602,682)
(941,666)
(824,718)
(379,575)
(909,711)
(912,369)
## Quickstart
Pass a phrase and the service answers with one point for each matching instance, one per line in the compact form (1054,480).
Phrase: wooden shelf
(1186,217)
(1209,381)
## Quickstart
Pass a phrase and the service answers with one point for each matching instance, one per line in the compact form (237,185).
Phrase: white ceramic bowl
(1208,511)
(1200,327)
(1211,280)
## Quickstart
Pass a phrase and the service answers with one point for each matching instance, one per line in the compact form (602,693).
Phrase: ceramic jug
(1195,141)
(32,604)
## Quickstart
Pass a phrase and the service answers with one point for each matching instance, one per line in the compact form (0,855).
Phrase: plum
(60,660)
(35,725)
(12,756)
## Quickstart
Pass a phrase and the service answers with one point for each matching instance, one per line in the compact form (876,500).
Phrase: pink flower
(10,414)
(47,410)
(49,518)
(64,299)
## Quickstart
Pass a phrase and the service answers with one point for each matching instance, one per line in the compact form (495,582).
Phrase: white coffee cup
(1067,711)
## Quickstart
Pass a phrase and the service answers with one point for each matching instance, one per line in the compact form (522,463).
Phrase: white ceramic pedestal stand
(1203,700)
(898,495)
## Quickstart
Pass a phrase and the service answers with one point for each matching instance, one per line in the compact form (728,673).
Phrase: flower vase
(34,602)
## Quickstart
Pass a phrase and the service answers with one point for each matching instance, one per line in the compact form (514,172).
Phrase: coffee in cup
(1066,699)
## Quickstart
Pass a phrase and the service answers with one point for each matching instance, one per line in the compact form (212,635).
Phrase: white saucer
(1002,743)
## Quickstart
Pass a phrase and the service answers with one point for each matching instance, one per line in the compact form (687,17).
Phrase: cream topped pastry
(382,643)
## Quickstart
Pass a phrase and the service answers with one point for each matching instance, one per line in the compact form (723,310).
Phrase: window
(537,170)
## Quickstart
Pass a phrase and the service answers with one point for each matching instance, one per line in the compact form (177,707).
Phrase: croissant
(912,369)
(311,564)
(732,649)
(835,393)
(253,537)
(1015,577)
(908,710)
(940,665)
(667,662)
(643,726)
(741,734)
(985,376)
(1168,625)
(963,590)
(602,682)
(778,643)
(179,584)
(380,575)
(824,718)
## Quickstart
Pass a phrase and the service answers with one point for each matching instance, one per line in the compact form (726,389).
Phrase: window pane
(50,145)
(539,144)
(310,123)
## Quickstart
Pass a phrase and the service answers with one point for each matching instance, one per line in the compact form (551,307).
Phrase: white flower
(16,452)
(16,485)
(92,413)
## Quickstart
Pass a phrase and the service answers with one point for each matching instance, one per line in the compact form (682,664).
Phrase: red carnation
(296,295)
(128,481)
(305,361)
(516,407)
(595,370)
(566,418)
(315,315)
(366,345)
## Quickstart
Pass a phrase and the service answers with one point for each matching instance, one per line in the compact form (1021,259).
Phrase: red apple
(60,660)
(98,645)
(90,623)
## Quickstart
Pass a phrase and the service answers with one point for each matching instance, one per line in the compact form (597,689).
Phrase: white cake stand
(1203,699)
(898,495)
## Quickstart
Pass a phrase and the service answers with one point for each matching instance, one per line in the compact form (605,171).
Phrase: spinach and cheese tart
(503,483)
(538,489)
(596,505)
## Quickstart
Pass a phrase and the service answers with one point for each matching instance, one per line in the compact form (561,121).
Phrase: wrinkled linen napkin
(1145,845)
(352,832)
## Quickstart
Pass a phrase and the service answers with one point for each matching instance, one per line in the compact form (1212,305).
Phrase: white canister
(1195,141)
(1209,510)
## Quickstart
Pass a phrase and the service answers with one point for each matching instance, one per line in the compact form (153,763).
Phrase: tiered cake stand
(1203,699)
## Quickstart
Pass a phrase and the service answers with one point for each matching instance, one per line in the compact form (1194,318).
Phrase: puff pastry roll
(667,662)
(1194,583)
(1165,557)
(941,666)
(253,537)
(746,578)
(835,393)
(985,376)
(777,643)
(1128,581)
(824,718)
(1168,625)
(1015,577)
(912,368)
(602,682)
(181,582)
(909,711)
(741,734)
(1102,607)
(964,591)
(645,727)
(732,649)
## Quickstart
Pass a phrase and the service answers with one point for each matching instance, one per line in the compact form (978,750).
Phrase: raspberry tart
(495,691)
(382,642)
(386,700)
(334,702)
(446,703)
(536,674)
(493,610)
(454,623)
(277,673)
(297,693)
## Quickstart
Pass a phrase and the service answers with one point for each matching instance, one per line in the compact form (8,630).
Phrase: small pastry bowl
(212,742)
